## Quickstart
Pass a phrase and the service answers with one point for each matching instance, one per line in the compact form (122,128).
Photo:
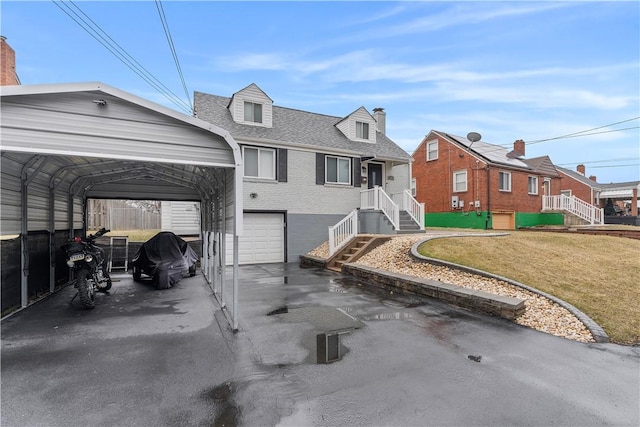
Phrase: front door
(374,174)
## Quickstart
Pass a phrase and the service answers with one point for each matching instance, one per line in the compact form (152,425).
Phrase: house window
(505,181)
(259,162)
(432,150)
(413,187)
(338,170)
(252,112)
(362,130)
(459,181)
(533,185)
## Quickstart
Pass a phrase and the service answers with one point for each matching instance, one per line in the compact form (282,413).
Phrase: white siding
(401,180)
(348,126)
(252,94)
(182,218)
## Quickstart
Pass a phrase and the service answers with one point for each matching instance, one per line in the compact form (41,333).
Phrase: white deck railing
(577,207)
(376,198)
(341,233)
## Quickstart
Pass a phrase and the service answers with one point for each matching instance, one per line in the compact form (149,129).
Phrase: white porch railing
(376,198)
(341,233)
(577,207)
(409,204)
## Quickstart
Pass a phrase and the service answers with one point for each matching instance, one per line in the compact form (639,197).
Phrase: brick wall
(577,188)
(8,74)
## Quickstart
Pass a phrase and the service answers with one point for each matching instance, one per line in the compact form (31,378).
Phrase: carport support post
(24,242)
(52,240)
(235,278)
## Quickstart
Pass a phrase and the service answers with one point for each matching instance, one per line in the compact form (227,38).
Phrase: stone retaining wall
(475,300)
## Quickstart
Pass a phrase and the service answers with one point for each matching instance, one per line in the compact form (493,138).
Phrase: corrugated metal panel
(152,190)
(116,130)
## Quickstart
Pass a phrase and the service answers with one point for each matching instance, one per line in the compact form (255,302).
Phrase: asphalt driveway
(167,358)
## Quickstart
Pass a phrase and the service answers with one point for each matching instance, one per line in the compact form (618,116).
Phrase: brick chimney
(381,120)
(8,74)
(593,178)
(581,169)
(518,147)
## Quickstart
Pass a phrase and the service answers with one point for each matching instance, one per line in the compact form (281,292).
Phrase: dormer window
(252,112)
(362,130)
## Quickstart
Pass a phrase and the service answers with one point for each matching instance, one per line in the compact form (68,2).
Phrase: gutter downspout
(486,224)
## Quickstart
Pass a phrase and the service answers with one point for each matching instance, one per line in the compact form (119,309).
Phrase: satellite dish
(474,136)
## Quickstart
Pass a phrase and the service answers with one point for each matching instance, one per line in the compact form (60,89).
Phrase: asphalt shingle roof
(578,177)
(295,127)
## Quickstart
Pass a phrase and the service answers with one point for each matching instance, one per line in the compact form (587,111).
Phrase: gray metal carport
(62,144)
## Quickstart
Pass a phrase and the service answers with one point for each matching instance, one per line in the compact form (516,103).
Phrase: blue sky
(508,70)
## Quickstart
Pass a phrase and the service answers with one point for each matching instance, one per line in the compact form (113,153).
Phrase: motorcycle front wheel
(85,291)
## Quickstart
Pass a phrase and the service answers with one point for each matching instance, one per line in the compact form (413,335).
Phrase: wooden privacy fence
(124,219)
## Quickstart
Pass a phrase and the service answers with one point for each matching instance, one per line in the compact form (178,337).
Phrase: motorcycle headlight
(70,263)
(88,257)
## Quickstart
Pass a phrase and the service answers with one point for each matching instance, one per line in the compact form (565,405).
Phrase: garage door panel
(262,240)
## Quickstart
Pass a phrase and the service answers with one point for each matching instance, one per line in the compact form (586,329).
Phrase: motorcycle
(88,263)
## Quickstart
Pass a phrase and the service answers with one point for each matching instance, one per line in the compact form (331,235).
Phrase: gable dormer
(251,106)
(359,126)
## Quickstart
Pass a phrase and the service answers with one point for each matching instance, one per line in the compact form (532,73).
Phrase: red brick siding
(578,189)
(7,64)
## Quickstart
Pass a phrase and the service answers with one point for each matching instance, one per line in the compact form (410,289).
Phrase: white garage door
(262,240)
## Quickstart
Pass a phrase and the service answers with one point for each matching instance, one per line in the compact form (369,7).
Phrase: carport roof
(97,88)
(93,140)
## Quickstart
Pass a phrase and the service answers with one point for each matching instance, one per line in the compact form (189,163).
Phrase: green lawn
(600,275)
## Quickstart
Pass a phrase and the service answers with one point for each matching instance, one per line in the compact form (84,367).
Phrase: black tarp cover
(165,257)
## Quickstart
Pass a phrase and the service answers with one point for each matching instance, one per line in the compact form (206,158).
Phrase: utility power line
(615,166)
(167,33)
(95,31)
(622,159)
(588,132)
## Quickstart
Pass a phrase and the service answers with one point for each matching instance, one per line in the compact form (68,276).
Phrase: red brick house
(575,183)
(480,185)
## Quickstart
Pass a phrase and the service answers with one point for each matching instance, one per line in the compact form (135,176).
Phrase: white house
(303,171)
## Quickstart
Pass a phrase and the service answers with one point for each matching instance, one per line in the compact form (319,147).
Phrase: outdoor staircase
(581,212)
(407,225)
(356,248)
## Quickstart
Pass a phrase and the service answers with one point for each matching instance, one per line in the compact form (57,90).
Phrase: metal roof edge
(127,96)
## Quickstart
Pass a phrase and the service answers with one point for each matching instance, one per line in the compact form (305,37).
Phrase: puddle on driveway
(227,414)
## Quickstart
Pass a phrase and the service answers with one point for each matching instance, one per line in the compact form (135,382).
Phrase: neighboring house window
(413,187)
(533,185)
(252,112)
(259,162)
(565,193)
(459,181)
(338,170)
(505,181)
(362,130)
(432,150)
